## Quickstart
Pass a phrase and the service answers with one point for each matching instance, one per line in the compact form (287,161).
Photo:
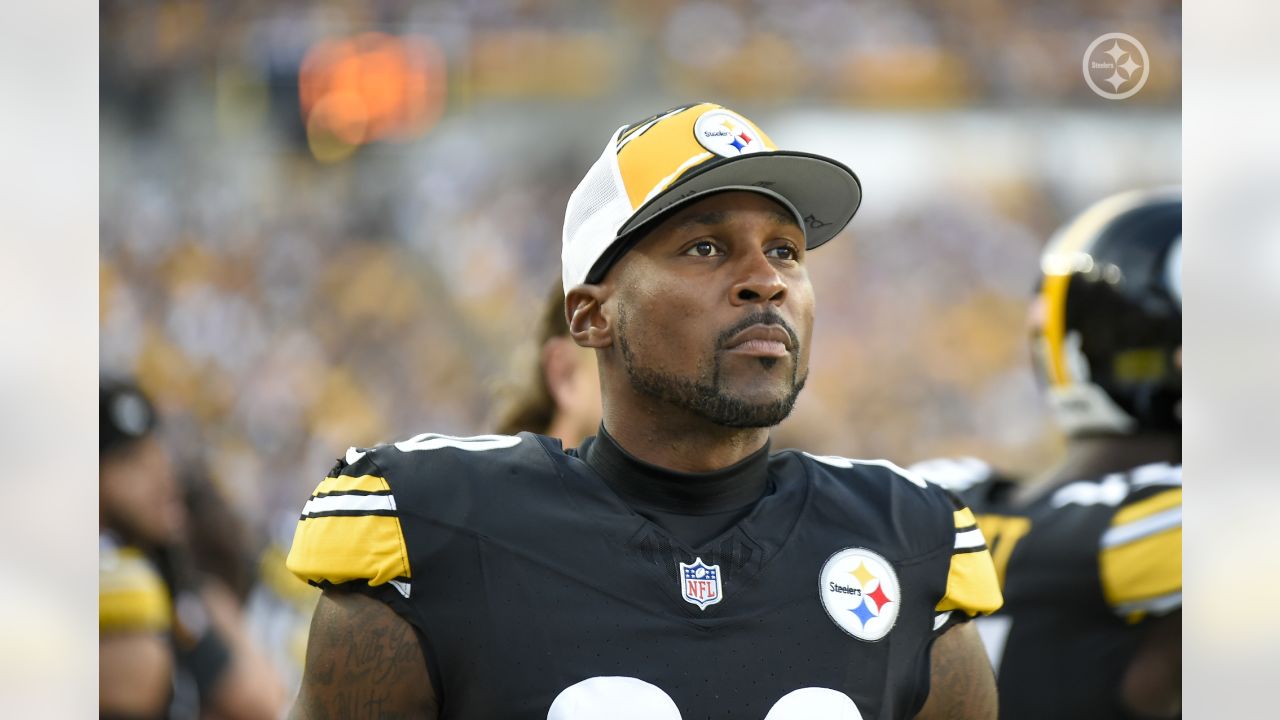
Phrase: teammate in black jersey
(671,566)
(1091,553)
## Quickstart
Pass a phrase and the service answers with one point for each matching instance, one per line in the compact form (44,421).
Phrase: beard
(706,395)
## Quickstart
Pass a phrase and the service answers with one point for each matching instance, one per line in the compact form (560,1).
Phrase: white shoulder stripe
(844,462)
(956,474)
(970,539)
(363,503)
(941,619)
(1138,529)
(1157,474)
(1155,606)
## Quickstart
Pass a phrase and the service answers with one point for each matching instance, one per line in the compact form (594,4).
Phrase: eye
(784,252)
(703,248)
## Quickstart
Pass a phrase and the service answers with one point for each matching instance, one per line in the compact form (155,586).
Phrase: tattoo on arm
(363,661)
(962,685)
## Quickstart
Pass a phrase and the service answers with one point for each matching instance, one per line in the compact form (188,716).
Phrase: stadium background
(326,224)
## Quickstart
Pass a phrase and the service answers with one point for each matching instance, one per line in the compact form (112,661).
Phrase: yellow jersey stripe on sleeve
(350,530)
(1147,570)
(342,548)
(972,587)
(964,518)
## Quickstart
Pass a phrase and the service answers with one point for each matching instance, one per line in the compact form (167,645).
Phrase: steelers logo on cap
(726,134)
(860,591)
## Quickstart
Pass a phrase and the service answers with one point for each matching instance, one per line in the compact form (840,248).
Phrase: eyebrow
(717,217)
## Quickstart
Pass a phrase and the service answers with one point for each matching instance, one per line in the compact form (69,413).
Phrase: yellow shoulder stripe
(131,595)
(1150,506)
(1146,568)
(971,584)
(964,518)
(340,548)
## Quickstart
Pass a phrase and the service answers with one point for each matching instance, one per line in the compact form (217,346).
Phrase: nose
(759,282)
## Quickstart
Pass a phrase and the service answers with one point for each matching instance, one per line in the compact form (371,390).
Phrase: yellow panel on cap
(652,159)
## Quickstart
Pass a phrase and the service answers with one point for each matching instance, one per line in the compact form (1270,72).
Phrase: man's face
(714,310)
(139,494)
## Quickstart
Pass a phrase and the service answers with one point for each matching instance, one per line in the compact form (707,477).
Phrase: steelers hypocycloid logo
(726,134)
(860,591)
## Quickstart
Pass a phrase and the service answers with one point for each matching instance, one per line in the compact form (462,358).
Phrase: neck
(678,440)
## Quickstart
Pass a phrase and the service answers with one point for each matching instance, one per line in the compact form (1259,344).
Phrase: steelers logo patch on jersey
(726,134)
(859,590)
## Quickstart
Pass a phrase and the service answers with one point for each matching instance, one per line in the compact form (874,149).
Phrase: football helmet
(1107,320)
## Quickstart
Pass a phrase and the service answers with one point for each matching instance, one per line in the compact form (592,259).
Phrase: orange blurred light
(370,87)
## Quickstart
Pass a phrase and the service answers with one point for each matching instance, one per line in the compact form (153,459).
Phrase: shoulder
(858,471)
(957,474)
(876,476)
(1140,552)
(351,529)
(931,521)
(903,499)
(1119,489)
(428,457)
(131,594)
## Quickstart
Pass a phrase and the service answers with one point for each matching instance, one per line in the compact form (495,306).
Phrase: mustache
(760,317)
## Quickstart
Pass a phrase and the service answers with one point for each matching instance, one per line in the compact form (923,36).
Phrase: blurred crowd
(283,286)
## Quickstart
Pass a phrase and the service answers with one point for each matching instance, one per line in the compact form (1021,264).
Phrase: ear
(590,325)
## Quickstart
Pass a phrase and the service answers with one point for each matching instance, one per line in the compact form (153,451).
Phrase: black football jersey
(1082,566)
(538,593)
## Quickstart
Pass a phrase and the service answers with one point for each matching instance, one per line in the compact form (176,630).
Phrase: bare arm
(962,685)
(250,689)
(1152,685)
(363,661)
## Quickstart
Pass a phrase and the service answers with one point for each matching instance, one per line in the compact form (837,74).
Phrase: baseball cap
(655,166)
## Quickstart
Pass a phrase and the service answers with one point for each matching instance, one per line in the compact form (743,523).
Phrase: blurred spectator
(172,642)
(561,396)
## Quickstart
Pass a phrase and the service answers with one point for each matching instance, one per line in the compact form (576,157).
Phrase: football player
(169,645)
(672,565)
(1090,554)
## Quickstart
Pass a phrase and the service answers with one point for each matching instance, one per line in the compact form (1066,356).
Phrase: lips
(762,340)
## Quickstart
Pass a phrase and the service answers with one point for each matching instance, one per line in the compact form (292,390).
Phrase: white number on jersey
(628,698)
(478,443)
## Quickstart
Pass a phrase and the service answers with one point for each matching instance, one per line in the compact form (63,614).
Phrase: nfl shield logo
(700,583)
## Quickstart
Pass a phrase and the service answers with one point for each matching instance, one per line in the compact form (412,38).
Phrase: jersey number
(628,698)
(433,441)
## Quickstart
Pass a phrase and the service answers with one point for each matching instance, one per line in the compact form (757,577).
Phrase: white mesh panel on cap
(596,209)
